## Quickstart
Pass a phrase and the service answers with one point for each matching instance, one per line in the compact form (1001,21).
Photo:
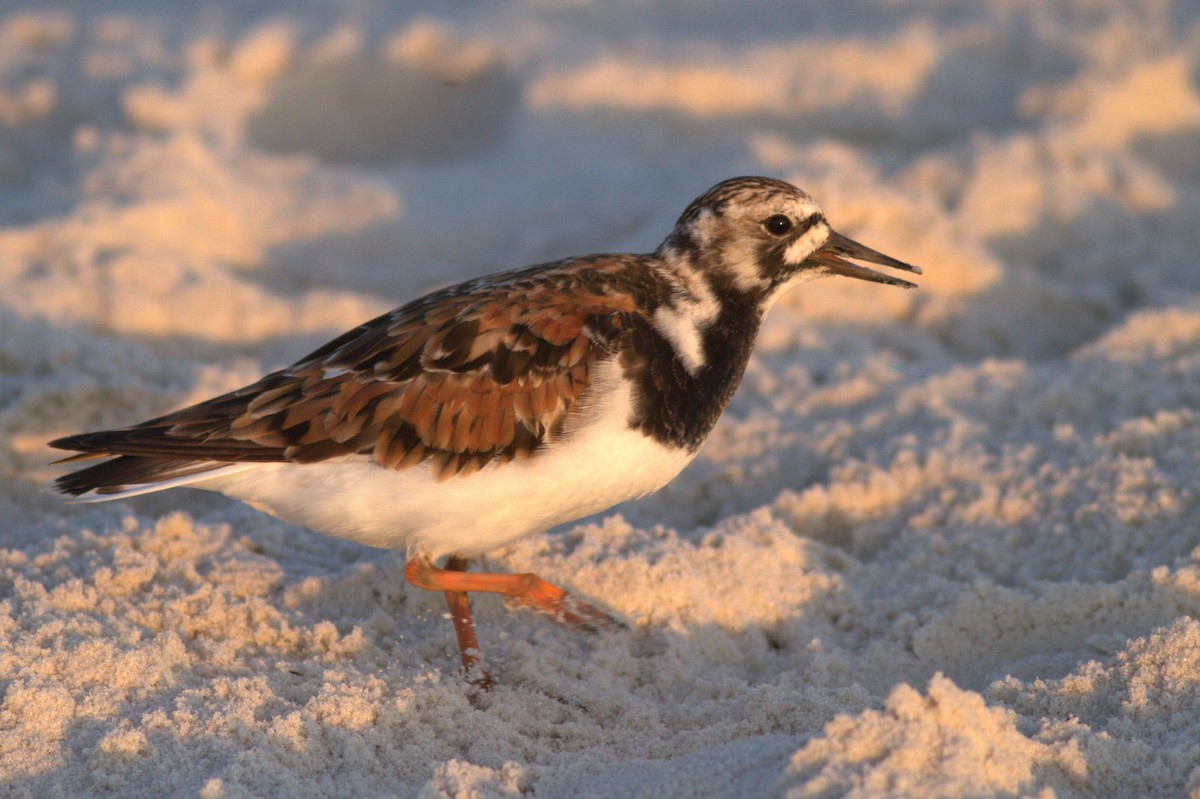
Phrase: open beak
(830,259)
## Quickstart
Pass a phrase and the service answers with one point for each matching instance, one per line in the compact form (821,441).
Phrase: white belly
(598,466)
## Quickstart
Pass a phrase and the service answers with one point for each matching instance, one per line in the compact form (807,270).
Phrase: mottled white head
(758,237)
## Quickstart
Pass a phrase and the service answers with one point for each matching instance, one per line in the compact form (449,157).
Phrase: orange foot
(528,590)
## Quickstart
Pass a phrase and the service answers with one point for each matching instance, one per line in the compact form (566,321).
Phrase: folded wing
(486,372)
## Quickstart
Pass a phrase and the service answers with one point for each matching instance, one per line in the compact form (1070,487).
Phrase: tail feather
(158,442)
(130,475)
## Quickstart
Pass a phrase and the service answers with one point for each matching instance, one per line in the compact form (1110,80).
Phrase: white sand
(944,542)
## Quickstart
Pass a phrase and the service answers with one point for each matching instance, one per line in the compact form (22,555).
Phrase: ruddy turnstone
(504,405)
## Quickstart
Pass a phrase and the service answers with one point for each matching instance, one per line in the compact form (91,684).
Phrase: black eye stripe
(808,224)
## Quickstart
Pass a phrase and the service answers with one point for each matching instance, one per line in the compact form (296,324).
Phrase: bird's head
(760,236)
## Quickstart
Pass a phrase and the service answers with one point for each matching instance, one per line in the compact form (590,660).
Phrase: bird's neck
(696,350)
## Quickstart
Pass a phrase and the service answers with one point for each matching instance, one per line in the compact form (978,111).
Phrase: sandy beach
(944,542)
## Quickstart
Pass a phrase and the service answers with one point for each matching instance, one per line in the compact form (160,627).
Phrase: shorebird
(499,407)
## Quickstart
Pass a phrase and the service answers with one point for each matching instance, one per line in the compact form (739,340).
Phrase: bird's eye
(778,225)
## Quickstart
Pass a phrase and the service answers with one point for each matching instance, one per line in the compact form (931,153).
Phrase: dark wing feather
(486,371)
(118,475)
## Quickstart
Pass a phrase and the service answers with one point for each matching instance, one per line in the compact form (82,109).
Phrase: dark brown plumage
(485,371)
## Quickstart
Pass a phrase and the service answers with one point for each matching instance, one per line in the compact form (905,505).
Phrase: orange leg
(464,627)
(525,589)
